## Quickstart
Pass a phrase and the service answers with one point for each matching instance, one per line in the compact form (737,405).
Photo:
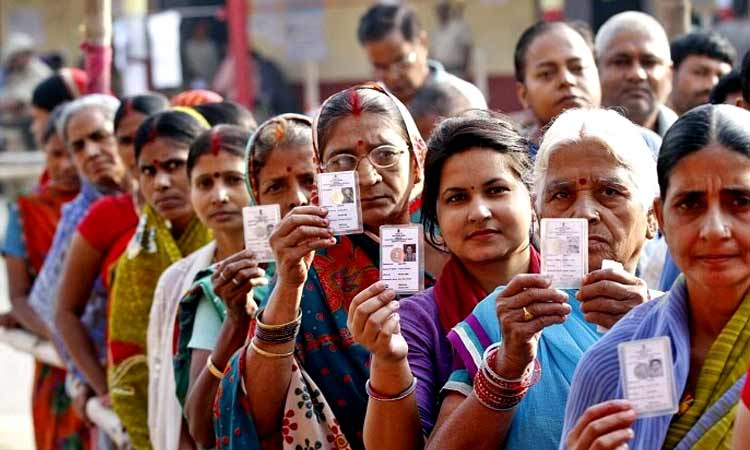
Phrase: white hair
(618,135)
(633,21)
(105,103)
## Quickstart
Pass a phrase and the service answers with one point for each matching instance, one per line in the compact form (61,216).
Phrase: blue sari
(326,351)
(538,420)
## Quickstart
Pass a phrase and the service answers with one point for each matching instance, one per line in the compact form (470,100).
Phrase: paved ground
(16,432)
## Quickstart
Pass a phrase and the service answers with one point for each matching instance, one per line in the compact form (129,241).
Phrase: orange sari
(56,425)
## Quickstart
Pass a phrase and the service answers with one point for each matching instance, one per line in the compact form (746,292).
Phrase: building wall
(60,23)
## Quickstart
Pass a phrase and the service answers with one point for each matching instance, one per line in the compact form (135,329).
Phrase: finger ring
(234,280)
(527,315)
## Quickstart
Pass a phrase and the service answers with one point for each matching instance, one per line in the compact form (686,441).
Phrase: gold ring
(527,315)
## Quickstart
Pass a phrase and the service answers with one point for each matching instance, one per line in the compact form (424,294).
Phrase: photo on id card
(647,376)
(402,258)
(259,222)
(565,251)
(338,192)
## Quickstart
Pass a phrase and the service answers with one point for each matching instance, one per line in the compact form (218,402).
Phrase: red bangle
(497,393)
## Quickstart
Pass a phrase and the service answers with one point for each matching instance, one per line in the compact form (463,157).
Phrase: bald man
(635,69)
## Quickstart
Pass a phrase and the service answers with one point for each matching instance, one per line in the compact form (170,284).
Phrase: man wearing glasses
(396,46)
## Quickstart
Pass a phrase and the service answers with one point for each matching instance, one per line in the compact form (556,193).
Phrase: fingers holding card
(647,376)
(338,192)
(402,258)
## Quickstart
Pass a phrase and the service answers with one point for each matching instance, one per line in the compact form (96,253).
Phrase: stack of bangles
(274,335)
(497,393)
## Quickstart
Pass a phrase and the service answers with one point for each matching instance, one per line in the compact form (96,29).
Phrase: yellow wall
(61,20)
(496,25)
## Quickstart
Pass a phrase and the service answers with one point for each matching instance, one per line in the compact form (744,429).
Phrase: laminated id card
(647,376)
(402,258)
(338,192)
(565,251)
(259,222)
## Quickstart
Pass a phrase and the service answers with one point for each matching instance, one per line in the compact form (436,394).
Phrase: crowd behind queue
(129,255)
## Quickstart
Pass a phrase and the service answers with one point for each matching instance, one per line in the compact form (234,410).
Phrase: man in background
(699,60)
(396,46)
(635,69)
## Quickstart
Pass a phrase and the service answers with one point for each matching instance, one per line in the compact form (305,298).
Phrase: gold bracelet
(268,354)
(260,324)
(213,369)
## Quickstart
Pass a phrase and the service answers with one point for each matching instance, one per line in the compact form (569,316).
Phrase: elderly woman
(304,375)
(704,213)
(526,326)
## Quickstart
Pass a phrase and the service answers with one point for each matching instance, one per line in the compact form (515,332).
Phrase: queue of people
(130,254)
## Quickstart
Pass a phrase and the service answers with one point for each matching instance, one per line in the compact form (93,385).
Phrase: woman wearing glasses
(301,379)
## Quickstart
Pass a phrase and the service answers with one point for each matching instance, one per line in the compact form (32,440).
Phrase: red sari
(56,424)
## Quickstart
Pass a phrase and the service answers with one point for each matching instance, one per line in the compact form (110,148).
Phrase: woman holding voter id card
(484,218)
(215,314)
(699,330)
(300,381)
(516,352)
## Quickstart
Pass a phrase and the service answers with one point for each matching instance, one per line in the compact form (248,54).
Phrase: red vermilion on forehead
(356,102)
(360,143)
(215,143)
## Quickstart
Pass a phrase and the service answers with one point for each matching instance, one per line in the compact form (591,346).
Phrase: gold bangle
(268,354)
(260,324)
(213,369)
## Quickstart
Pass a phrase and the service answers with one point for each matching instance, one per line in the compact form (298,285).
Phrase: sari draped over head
(707,423)
(152,250)
(326,401)
(56,424)
(537,421)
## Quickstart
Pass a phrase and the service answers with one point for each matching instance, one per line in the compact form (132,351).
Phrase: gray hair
(633,21)
(619,136)
(105,103)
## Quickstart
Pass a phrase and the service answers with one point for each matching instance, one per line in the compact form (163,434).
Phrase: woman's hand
(234,279)
(608,294)
(605,426)
(295,240)
(374,323)
(524,308)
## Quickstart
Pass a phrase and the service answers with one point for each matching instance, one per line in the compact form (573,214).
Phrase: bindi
(288,169)
(217,175)
(582,181)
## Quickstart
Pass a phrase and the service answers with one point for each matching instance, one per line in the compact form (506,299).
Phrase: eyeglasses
(397,68)
(382,157)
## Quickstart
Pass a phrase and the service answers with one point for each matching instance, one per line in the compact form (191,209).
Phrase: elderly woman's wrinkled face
(585,181)
(384,193)
(91,141)
(705,217)
(287,178)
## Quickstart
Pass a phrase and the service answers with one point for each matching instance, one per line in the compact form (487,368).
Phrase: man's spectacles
(397,68)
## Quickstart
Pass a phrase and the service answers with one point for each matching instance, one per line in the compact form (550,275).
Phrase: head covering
(66,85)
(16,43)
(192,113)
(196,97)
(416,143)
(252,189)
